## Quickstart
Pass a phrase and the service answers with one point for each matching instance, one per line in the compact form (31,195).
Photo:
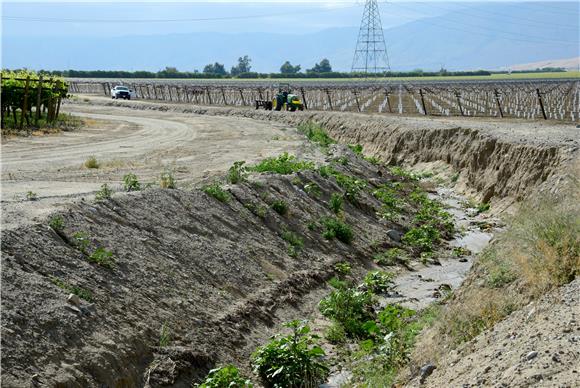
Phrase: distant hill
(568,64)
(491,36)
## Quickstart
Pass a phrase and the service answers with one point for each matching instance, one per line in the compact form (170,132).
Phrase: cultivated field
(549,99)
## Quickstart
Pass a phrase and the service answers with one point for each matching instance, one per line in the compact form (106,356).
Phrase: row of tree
(244,66)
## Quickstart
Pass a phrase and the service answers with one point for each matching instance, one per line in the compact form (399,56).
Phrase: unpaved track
(123,140)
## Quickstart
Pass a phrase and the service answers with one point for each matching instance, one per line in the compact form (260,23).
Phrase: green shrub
(373,160)
(103,258)
(343,269)
(92,162)
(81,240)
(356,148)
(225,377)
(483,207)
(78,291)
(402,173)
(335,203)
(280,206)
(393,317)
(316,134)
(31,196)
(56,223)
(291,361)
(284,164)
(379,282)
(422,238)
(104,193)
(334,228)
(351,185)
(295,241)
(216,191)
(350,308)
(391,256)
(335,334)
(167,181)
(312,189)
(237,173)
(391,204)
(326,171)
(131,183)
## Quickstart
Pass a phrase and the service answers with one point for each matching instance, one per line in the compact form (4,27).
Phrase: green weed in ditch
(78,291)
(31,196)
(102,257)
(351,308)
(280,206)
(237,173)
(316,134)
(423,238)
(164,335)
(131,183)
(81,240)
(56,223)
(335,203)
(391,256)
(356,148)
(296,244)
(379,282)
(167,180)
(313,190)
(227,376)
(92,162)
(295,360)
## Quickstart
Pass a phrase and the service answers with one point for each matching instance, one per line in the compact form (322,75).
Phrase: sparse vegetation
(102,257)
(284,164)
(78,291)
(164,335)
(316,134)
(227,376)
(379,282)
(335,203)
(292,361)
(104,193)
(334,228)
(92,162)
(391,256)
(356,148)
(280,206)
(56,223)
(81,240)
(343,269)
(483,207)
(31,196)
(167,181)
(313,189)
(237,173)
(295,242)
(402,173)
(216,191)
(131,183)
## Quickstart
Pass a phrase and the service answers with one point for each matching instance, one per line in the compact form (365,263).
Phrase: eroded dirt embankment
(496,158)
(217,275)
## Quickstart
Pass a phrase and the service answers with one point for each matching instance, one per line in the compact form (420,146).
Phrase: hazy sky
(113,18)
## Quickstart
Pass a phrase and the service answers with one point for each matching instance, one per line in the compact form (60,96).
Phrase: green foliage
(237,173)
(104,193)
(351,185)
(31,196)
(316,134)
(295,241)
(394,317)
(483,207)
(312,189)
(78,291)
(326,171)
(350,308)
(343,269)
(423,238)
(291,361)
(131,183)
(92,162)
(356,148)
(391,256)
(373,160)
(334,228)
(379,282)
(391,204)
(431,212)
(167,181)
(335,334)
(460,251)
(335,203)
(81,240)
(103,258)
(284,164)
(216,191)
(280,206)
(56,223)
(402,173)
(225,377)
(164,335)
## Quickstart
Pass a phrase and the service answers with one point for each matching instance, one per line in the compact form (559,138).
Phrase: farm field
(549,99)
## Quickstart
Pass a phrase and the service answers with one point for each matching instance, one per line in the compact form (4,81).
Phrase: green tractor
(283,100)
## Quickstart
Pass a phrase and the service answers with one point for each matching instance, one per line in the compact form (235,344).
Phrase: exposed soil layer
(219,275)
(496,158)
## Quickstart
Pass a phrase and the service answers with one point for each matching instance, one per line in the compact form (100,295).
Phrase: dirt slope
(219,275)
(496,158)
(537,346)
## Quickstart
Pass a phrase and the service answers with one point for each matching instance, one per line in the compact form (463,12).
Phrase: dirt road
(124,140)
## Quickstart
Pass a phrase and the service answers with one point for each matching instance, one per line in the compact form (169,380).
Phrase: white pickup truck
(122,92)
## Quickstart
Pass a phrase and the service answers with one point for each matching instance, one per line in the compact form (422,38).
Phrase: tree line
(243,69)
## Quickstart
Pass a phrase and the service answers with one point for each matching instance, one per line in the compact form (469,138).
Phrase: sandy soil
(123,140)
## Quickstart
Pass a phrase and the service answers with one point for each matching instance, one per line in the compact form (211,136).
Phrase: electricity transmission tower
(370,55)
